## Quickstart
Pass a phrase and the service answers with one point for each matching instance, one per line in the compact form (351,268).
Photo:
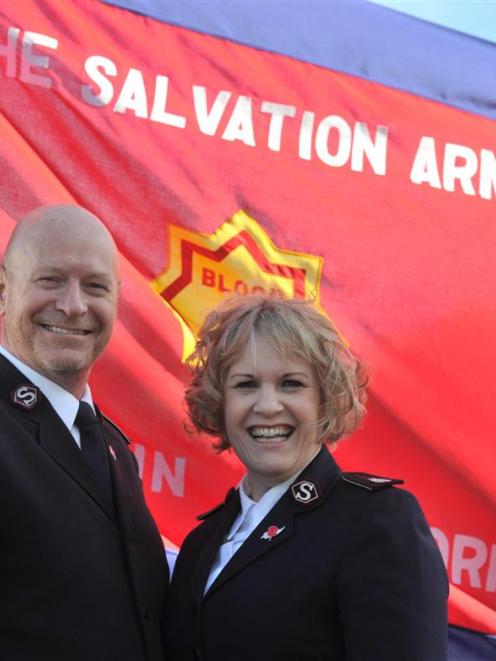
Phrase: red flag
(219,167)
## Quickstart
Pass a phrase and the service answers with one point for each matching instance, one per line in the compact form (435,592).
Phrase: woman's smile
(264,434)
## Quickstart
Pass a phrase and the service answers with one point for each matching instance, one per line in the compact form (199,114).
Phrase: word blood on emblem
(239,257)
(25,397)
(305,492)
(271,532)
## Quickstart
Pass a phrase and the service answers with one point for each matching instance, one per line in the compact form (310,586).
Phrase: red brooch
(271,532)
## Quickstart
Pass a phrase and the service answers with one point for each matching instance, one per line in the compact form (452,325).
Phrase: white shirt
(66,405)
(251,514)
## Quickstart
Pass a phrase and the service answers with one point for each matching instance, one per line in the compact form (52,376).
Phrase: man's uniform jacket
(343,568)
(80,580)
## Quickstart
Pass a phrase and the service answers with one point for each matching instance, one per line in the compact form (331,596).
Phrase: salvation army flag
(322,155)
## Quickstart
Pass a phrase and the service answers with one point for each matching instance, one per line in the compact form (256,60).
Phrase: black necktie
(93,448)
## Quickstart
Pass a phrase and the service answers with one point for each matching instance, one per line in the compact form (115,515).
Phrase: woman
(302,562)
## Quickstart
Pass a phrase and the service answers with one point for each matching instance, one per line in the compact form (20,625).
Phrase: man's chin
(66,363)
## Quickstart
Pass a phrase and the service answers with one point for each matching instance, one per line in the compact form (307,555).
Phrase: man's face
(59,301)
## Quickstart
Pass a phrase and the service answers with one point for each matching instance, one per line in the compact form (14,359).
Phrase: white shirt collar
(66,405)
(270,497)
(267,501)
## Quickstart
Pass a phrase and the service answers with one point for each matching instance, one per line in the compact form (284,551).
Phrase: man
(82,567)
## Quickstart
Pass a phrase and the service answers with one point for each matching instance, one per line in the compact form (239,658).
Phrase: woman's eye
(292,383)
(246,384)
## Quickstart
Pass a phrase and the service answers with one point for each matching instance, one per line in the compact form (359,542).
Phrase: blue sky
(476,17)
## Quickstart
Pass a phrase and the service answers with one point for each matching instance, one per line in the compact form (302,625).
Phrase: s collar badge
(305,492)
(25,397)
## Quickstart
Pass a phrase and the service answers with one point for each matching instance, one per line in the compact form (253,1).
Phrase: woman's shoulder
(370,482)
(366,501)
(208,520)
(370,490)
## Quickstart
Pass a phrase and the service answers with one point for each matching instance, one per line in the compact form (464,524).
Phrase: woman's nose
(268,401)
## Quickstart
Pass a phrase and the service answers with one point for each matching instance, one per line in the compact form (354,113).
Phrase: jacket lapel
(56,439)
(314,483)
(224,521)
(122,482)
(280,516)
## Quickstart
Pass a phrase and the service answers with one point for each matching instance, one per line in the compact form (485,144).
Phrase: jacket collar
(28,403)
(65,404)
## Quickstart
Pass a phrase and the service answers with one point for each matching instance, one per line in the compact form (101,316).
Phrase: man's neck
(74,383)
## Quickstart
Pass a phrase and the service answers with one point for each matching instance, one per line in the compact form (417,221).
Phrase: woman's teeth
(271,433)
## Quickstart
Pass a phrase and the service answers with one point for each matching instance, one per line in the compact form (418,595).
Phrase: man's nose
(268,401)
(71,300)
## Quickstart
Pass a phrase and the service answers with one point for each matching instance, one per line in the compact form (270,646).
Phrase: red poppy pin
(271,532)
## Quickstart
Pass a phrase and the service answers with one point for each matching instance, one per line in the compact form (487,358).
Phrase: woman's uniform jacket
(80,580)
(343,568)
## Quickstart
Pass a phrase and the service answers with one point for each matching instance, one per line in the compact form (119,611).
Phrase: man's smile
(65,331)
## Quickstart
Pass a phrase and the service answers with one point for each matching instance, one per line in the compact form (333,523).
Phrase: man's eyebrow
(97,274)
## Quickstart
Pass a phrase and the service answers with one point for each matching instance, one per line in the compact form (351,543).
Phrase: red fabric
(407,270)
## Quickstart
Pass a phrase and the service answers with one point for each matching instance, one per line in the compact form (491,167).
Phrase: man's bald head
(53,223)
(58,293)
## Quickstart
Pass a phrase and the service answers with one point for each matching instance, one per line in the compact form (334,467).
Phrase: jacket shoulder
(230,494)
(205,515)
(370,482)
(115,428)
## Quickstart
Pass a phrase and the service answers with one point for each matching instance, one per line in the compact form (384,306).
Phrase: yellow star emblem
(239,258)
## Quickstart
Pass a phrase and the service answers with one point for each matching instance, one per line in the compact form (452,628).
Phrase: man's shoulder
(118,442)
(110,426)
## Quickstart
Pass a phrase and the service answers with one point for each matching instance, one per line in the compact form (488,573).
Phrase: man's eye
(49,280)
(97,286)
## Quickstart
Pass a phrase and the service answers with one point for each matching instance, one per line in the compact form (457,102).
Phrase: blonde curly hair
(294,326)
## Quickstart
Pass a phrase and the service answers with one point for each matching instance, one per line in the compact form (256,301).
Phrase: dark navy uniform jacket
(79,580)
(354,575)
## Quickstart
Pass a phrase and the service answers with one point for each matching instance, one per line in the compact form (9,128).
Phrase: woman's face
(271,409)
